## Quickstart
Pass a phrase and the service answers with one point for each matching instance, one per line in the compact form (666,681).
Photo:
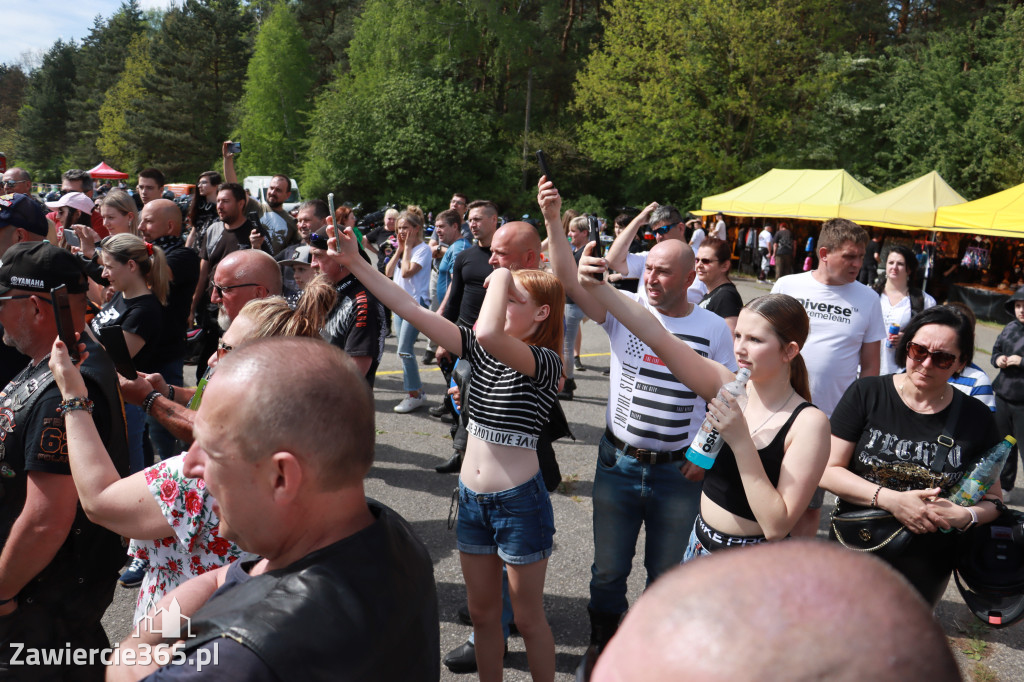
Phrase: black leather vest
(364,608)
(91,555)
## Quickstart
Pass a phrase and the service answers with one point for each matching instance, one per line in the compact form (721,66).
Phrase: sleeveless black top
(722,482)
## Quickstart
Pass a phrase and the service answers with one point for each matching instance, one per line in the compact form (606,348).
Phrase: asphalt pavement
(410,445)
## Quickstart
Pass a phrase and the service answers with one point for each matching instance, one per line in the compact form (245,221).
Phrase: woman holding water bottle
(899,300)
(763,477)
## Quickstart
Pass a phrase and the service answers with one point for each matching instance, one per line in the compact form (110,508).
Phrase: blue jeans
(407,335)
(517,524)
(135,424)
(164,443)
(573,318)
(627,494)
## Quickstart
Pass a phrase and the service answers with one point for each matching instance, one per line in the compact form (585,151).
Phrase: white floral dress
(195,547)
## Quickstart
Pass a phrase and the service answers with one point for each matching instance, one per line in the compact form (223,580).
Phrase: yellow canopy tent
(784,193)
(911,206)
(997,215)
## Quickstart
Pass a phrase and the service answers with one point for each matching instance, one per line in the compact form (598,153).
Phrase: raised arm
(124,506)
(562,262)
(229,162)
(703,375)
(345,251)
(490,325)
(617,252)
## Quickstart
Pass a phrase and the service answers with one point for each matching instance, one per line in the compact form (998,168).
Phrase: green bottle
(975,483)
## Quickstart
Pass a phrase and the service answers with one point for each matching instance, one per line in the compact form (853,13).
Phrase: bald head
(288,406)
(241,277)
(160,218)
(256,266)
(794,610)
(516,246)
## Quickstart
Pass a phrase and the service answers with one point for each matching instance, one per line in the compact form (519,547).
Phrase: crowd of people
(246,510)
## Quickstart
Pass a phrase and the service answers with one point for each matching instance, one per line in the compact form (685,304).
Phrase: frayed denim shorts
(517,524)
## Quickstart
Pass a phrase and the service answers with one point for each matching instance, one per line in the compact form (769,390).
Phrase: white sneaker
(410,403)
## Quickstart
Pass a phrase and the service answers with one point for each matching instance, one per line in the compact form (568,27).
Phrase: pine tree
(117,143)
(43,119)
(199,58)
(99,65)
(278,92)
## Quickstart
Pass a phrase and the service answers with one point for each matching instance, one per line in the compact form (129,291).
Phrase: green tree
(199,57)
(506,54)
(100,62)
(328,26)
(116,140)
(43,118)
(277,98)
(13,83)
(377,140)
(694,96)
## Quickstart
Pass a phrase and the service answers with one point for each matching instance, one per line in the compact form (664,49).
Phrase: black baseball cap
(41,266)
(20,210)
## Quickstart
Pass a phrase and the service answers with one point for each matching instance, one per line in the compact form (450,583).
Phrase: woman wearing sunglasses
(885,441)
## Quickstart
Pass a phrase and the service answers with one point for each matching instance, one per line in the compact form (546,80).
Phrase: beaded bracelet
(874,498)
(72,404)
(147,404)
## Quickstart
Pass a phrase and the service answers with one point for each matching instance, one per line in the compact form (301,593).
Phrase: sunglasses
(706,261)
(220,290)
(940,359)
(663,229)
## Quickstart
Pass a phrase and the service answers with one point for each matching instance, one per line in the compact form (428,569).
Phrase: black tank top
(722,482)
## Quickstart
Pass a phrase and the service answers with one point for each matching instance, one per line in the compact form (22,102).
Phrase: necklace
(774,412)
(906,402)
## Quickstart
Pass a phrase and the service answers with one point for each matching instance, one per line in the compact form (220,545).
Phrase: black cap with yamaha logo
(40,267)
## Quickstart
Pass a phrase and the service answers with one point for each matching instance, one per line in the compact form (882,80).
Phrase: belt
(643,455)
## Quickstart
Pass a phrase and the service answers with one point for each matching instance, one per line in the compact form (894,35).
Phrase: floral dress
(195,547)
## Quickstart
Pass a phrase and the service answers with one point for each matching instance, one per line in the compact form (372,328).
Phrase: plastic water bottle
(976,482)
(893,329)
(708,441)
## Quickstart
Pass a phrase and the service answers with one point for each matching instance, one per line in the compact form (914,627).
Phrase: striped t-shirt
(506,407)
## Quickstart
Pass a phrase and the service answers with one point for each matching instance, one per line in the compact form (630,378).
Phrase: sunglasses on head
(940,359)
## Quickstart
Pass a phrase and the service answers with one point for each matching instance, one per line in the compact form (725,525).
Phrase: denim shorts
(517,524)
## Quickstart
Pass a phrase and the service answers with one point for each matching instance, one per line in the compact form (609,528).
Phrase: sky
(35,26)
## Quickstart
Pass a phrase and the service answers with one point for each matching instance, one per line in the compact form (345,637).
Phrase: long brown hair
(545,289)
(790,323)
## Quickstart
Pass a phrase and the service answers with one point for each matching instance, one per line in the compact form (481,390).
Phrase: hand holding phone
(542,161)
(595,236)
(65,322)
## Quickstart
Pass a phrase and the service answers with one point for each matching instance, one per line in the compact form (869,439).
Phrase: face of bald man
(515,246)
(159,218)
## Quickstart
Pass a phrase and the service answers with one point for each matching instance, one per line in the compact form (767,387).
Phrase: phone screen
(65,322)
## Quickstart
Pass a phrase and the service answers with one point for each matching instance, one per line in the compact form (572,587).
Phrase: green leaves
(277,97)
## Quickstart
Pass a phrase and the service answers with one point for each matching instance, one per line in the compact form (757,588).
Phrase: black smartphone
(65,323)
(235,148)
(595,236)
(542,161)
(112,338)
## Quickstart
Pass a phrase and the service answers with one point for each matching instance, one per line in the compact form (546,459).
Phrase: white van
(256,186)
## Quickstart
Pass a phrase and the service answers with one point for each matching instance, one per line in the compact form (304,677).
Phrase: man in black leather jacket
(342,579)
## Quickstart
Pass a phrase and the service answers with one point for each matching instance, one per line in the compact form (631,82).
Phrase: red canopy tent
(105,172)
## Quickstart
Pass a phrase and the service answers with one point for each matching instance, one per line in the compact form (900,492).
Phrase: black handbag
(877,530)
(870,530)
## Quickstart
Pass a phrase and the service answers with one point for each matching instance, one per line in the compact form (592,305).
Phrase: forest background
(632,100)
